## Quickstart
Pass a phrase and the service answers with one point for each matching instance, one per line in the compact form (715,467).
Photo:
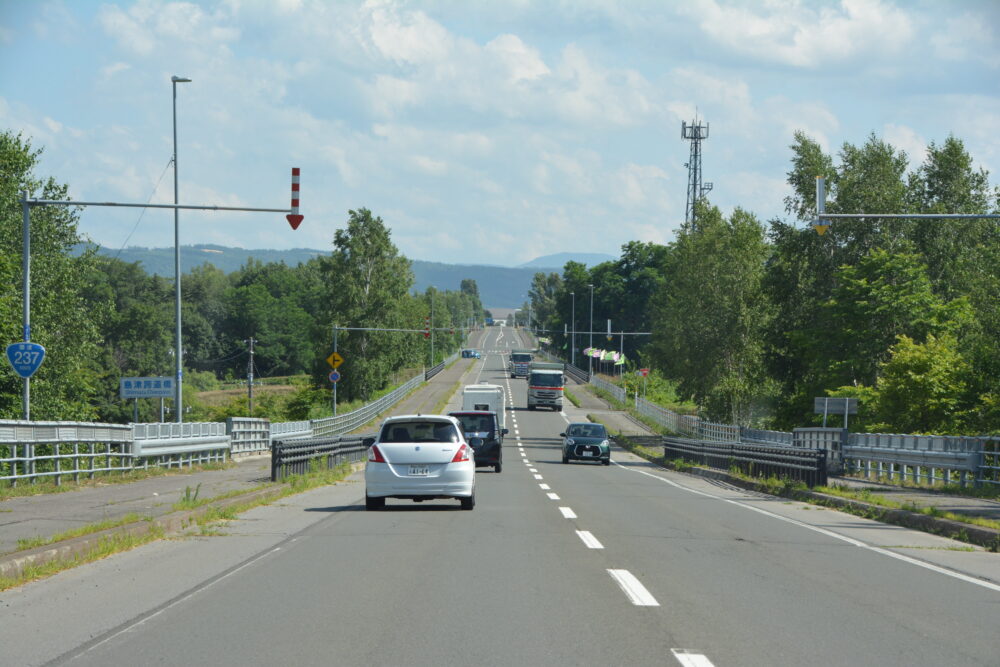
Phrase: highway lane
(524,578)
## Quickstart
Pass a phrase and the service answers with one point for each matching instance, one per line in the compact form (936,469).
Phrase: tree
(709,320)
(367,283)
(70,375)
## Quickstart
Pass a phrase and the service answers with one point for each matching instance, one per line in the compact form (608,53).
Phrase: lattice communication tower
(695,133)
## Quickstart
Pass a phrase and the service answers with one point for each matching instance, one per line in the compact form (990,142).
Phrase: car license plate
(588,453)
(420,471)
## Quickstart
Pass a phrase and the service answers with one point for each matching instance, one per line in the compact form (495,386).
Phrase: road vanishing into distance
(577,564)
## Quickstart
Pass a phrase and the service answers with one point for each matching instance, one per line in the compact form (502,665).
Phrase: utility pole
(250,374)
(335,383)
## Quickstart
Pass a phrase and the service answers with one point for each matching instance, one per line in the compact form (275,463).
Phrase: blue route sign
(25,358)
(334,377)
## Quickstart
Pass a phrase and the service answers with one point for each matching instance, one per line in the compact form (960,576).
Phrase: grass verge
(33,542)
(204,514)
(572,399)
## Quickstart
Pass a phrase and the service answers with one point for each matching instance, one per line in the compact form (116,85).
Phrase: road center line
(588,539)
(633,588)
(567,512)
(553,496)
(544,487)
(538,476)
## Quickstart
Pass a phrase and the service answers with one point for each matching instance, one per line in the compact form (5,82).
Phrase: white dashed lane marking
(545,487)
(539,477)
(689,658)
(633,588)
(567,513)
(588,539)
(553,496)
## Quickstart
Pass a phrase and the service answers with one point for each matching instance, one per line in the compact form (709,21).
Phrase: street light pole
(590,357)
(178,355)
(572,354)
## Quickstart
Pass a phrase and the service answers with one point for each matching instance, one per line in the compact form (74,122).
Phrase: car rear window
(419,431)
(475,423)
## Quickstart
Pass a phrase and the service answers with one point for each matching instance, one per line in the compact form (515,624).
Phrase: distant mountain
(499,286)
(558,260)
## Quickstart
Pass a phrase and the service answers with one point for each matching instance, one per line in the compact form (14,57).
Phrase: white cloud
(429,165)
(640,186)
(522,62)
(806,34)
(114,68)
(967,38)
(127,29)
(907,139)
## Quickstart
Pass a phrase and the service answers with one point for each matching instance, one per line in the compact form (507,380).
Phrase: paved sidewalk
(50,514)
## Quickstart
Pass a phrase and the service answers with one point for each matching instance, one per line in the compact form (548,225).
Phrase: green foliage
(69,378)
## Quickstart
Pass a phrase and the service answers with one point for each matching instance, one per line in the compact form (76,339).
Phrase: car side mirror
(475,442)
(367,442)
(562,435)
(504,431)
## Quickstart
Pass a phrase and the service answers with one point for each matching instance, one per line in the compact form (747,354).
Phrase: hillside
(499,286)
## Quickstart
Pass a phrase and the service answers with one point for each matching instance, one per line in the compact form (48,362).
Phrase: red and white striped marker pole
(294,219)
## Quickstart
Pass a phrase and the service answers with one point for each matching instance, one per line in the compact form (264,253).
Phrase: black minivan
(483,425)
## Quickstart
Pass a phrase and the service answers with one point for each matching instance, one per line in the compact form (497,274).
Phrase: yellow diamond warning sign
(334,360)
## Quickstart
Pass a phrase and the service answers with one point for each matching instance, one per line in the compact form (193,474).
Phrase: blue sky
(481,132)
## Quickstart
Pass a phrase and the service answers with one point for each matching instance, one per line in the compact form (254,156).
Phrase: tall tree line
(101,319)
(753,320)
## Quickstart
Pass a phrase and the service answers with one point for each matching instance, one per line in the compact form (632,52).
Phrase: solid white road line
(829,533)
(588,539)
(567,513)
(689,658)
(545,487)
(553,496)
(633,588)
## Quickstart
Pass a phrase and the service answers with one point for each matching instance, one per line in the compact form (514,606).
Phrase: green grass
(33,542)
(866,496)
(119,541)
(572,399)
(26,488)
(106,546)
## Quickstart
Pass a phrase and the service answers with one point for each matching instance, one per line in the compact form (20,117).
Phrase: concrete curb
(13,564)
(987,538)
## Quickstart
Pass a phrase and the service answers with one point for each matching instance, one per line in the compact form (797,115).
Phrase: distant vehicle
(545,385)
(584,441)
(519,362)
(485,398)
(477,354)
(489,321)
(420,457)
(483,427)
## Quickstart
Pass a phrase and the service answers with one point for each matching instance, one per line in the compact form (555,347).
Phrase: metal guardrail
(805,465)
(349,421)
(577,374)
(299,429)
(32,451)
(296,456)
(929,458)
(248,435)
(617,392)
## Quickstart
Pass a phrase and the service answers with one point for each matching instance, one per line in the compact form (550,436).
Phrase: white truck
(485,397)
(545,385)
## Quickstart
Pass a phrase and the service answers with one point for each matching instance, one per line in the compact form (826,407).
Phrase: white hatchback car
(420,457)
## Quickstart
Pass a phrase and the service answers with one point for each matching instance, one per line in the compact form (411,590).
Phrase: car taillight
(461,455)
(374,455)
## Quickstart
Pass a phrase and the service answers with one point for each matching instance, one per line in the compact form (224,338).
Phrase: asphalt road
(558,564)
